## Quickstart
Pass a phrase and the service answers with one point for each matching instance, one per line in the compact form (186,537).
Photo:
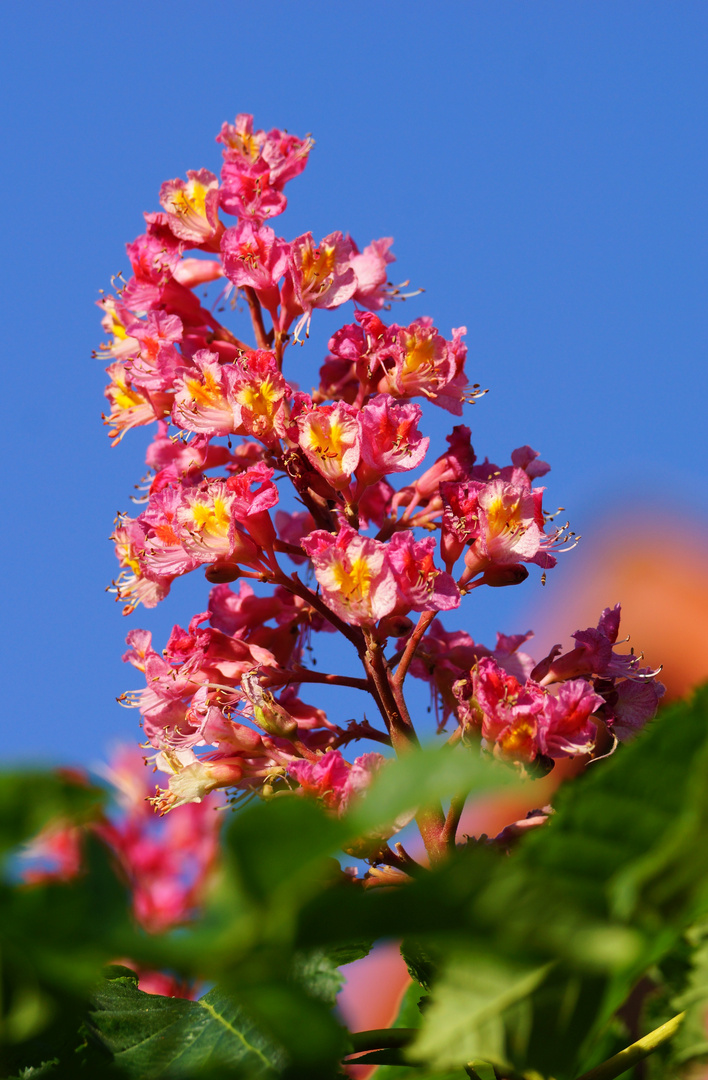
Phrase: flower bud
(499,576)
(267,712)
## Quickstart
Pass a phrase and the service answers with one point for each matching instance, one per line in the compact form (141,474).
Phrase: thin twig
(429,819)
(254,306)
(412,644)
(222,334)
(294,585)
(307,675)
(361,729)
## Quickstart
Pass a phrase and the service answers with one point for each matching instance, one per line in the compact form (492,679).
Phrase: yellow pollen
(326,440)
(245,143)
(206,393)
(212,518)
(190,200)
(355,583)
(261,398)
(317,265)
(124,397)
(117,329)
(502,516)
(420,352)
(517,739)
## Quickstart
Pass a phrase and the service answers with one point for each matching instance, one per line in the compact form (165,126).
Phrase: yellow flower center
(212,518)
(207,392)
(123,396)
(503,516)
(191,199)
(259,398)
(326,439)
(354,583)
(420,353)
(317,265)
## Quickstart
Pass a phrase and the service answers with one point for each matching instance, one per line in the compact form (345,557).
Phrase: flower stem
(620,1063)
(256,317)
(411,645)
(452,820)
(381,1039)
(429,819)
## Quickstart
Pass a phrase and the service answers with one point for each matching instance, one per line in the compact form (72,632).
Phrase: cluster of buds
(377,556)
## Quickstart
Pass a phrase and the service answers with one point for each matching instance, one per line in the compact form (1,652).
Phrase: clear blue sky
(542,166)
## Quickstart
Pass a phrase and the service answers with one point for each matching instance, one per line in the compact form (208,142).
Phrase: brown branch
(412,644)
(452,821)
(223,334)
(281,340)
(429,819)
(361,729)
(254,306)
(398,722)
(306,675)
(294,585)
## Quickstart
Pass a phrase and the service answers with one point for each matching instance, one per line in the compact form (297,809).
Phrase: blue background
(542,168)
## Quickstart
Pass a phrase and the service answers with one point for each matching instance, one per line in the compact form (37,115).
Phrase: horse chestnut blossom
(322,512)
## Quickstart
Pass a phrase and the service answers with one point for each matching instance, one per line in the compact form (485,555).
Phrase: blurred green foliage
(541,963)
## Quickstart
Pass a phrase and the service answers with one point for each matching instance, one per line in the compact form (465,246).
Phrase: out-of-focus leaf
(275,857)
(669,984)
(67,931)
(150,1036)
(348,953)
(556,897)
(30,800)
(54,941)
(465,1020)
(422,965)
(691,1042)
(629,832)
(280,855)
(319,974)
(46,1069)
(313,1040)
(423,777)
(410,1016)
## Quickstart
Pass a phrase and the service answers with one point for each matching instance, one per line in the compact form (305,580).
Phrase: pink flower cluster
(167,864)
(380,553)
(526,711)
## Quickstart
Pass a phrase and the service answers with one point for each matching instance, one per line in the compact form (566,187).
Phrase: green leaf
(306,1028)
(410,1016)
(422,965)
(348,953)
(46,1069)
(691,1042)
(465,1020)
(627,837)
(54,940)
(423,777)
(31,800)
(629,827)
(318,974)
(150,1036)
(280,855)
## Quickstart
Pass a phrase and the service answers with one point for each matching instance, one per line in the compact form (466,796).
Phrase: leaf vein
(234,1031)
